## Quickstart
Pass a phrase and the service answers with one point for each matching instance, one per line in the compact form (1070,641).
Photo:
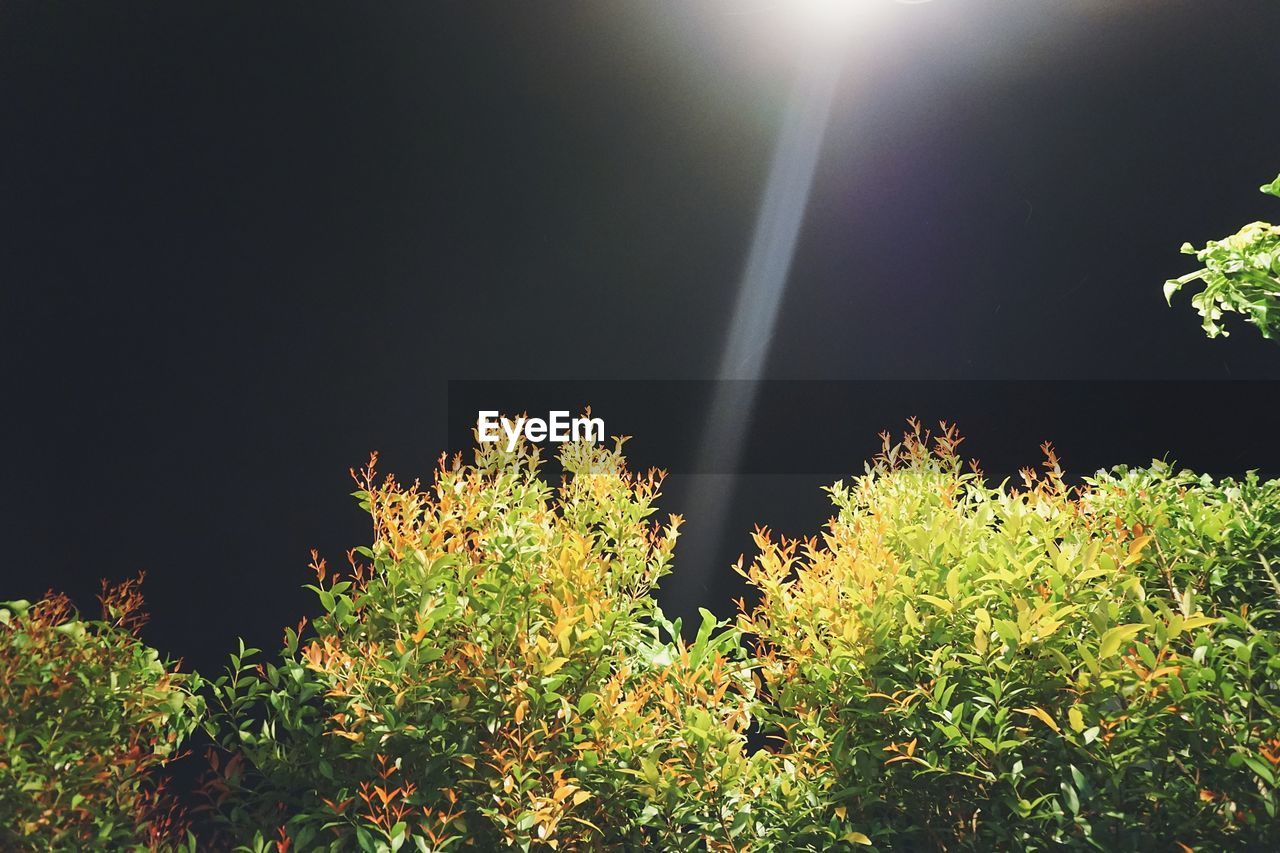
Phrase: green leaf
(1113,639)
(1261,768)
(1007,630)
(1073,801)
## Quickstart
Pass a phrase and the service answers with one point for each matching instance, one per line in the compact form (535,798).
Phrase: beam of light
(755,315)
(778,223)
(825,30)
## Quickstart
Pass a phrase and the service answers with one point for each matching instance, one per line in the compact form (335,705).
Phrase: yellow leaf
(856,838)
(982,631)
(1197,621)
(554,665)
(1136,546)
(841,811)
(563,633)
(1046,628)
(1135,550)
(1041,715)
(1116,637)
(1075,718)
(580,798)
(941,603)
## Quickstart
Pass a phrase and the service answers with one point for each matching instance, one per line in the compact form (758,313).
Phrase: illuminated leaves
(994,669)
(1241,274)
(88,715)
(1115,637)
(494,669)
(1041,715)
(949,664)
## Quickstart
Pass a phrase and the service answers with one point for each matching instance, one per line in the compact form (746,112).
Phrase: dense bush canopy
(495,672)
(987,668)
(88,714)
(951,665)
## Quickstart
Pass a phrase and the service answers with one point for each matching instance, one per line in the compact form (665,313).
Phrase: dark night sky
(244,244)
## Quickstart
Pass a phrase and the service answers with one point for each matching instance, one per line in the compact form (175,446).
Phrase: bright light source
(833,13)
(837,18)
(834,17)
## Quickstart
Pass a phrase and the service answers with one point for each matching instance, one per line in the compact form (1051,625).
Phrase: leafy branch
(1241,274)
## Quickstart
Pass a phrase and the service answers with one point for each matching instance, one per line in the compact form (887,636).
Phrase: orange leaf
(1041,715)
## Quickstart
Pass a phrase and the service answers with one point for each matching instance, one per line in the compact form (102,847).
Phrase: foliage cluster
(1241,274)
(989,668)
(495,672)
(88,715)
(950,665)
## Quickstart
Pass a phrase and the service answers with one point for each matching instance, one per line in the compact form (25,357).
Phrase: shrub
(988,668)
(88,714)
(1220,538)
(494,672)
(1241,274)
(952,665)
